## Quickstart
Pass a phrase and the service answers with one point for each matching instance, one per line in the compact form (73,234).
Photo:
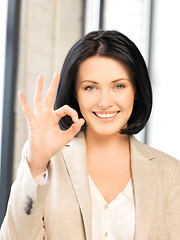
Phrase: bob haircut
(111,44)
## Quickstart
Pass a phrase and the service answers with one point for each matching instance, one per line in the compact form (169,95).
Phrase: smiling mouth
(106,115)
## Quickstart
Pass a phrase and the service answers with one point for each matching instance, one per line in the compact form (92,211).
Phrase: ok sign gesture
(45,136)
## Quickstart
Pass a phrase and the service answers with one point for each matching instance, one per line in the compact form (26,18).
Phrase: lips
(106,115)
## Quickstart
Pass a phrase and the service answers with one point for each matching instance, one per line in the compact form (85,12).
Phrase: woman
(90,178)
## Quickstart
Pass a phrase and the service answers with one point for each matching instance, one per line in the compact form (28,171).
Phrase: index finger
(67,110)
(50,95)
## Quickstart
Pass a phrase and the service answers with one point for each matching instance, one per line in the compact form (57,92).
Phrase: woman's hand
(45,136)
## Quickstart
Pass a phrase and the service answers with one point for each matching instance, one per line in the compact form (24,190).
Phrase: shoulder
(157,156)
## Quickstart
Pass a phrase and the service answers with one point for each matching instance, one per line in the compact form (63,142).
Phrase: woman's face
(105,94)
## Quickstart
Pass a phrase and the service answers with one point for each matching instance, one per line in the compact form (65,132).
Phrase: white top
(114,221)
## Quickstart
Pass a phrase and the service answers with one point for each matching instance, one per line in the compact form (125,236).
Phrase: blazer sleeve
(173,206)
(24,216)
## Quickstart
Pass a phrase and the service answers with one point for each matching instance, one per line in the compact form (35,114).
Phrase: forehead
(102,68)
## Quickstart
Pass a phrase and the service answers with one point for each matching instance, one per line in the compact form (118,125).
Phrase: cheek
(126,101)
(130,105)
(84,103)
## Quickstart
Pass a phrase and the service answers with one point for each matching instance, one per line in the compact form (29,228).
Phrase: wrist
(35,166)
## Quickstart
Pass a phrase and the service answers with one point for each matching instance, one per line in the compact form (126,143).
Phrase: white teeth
(108,115)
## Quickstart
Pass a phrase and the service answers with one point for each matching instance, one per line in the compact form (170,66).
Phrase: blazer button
(27,210)
(29,204)
(29,200)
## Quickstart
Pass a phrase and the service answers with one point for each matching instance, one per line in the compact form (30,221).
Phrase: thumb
(75,127)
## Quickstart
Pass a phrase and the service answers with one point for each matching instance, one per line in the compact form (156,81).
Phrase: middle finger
(38,95)
(50,95)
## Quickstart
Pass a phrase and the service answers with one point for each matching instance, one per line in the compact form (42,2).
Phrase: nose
(105,99)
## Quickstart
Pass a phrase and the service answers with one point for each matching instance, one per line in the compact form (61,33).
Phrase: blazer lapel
(145,174)
(75,158)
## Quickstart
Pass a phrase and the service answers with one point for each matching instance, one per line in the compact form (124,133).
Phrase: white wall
(164,126)
(3,25)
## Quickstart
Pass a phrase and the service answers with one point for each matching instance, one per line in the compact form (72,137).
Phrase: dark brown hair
(111,44)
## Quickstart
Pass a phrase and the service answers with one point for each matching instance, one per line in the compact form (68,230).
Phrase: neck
(94,140)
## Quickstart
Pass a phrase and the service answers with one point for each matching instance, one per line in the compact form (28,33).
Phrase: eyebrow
(90,81)
(114,81)
(120,79)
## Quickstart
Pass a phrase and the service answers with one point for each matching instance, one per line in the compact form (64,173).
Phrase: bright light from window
(92,13)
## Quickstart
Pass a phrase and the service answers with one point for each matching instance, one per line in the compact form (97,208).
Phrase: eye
(89,88)
(119,86)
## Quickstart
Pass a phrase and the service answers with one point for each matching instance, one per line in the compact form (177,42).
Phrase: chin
(105,131)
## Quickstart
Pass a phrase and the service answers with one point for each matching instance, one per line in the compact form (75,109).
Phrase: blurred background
(35,38)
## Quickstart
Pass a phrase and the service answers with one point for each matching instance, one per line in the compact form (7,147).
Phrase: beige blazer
(61,209)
